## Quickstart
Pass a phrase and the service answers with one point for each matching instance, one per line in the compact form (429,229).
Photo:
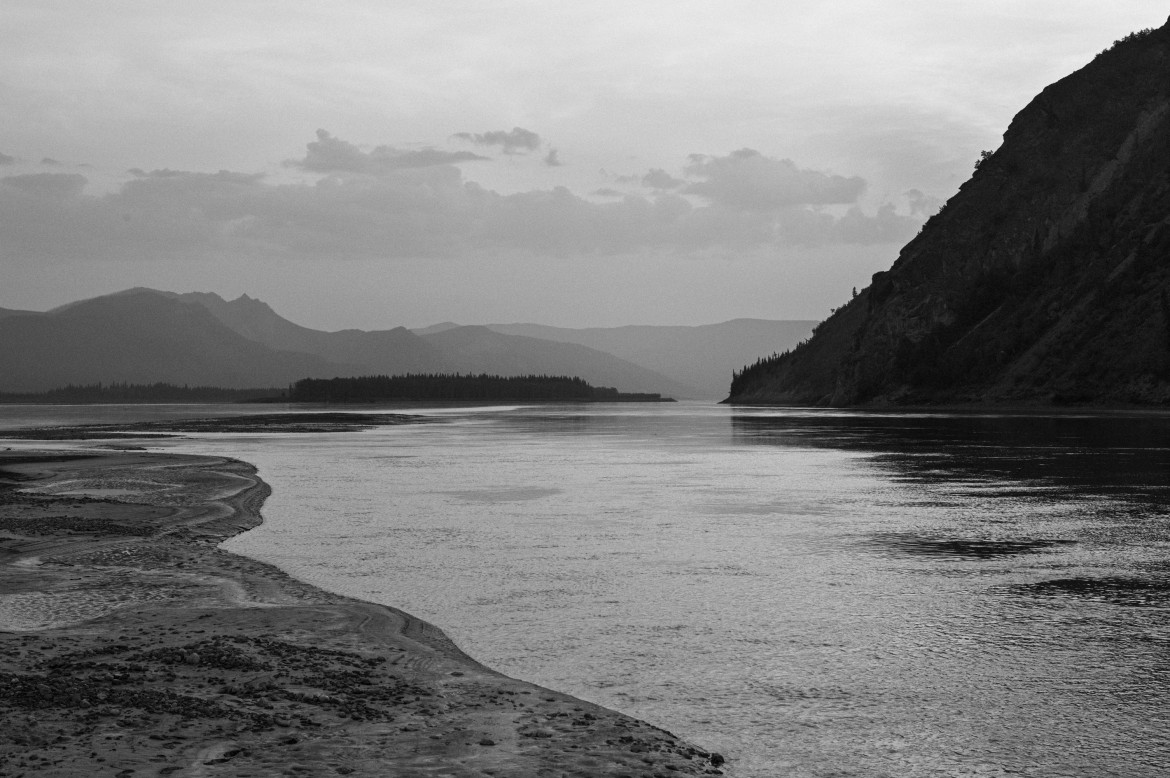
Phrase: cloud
(658,178)
(430,211)
(515,141)
(552,159)
(922,204)
(329,154)
(227,176)
(747,180)
(886,226)
(55,186)
(6,160)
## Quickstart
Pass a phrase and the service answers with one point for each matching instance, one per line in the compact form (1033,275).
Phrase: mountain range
(703,357)
(145,336)
(1044,280)
(139,337)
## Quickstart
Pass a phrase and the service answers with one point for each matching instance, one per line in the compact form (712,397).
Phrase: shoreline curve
(130,643)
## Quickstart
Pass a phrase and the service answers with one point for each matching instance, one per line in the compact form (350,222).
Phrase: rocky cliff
(1045,279)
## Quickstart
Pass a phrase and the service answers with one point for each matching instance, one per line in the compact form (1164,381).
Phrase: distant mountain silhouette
(702,357)
(140,336)
(449,348)
(445,325)
(478,349)
(1045,279)
(144,336)
(390,352)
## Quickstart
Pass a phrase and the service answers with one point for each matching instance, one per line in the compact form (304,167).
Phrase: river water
(809,592)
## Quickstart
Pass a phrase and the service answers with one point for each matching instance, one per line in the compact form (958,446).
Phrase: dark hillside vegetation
(1044,280)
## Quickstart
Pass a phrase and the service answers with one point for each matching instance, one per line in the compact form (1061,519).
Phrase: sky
(372,164)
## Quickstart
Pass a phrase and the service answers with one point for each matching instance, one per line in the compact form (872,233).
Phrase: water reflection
(878,430)
(1032,551)
(1117,590)
(999,456)
(948,548)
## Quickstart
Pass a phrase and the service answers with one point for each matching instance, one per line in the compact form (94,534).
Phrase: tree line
(444,386)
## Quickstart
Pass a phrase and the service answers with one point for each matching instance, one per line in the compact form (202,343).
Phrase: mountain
(448,348)
(199,338)
(381,352)
(479,349)
(446,325)
(702,357)
(146,336)
(140,336)
(1045,279)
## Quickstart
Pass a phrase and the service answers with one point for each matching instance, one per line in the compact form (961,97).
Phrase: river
(810,592)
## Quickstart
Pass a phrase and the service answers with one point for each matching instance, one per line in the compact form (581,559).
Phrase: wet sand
(131,645)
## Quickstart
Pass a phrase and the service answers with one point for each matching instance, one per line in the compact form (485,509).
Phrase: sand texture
(130,645)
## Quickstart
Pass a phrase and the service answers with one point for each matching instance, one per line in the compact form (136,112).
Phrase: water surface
(812,593)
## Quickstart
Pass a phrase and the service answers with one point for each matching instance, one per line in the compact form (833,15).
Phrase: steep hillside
(1045,279)
(481,350)
(701,356)
(140,337)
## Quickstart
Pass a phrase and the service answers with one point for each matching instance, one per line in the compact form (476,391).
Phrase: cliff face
(1044,279)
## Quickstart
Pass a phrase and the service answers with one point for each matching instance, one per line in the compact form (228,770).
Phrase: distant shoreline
(1008,408)
(630,398)
(361,390)
(481,387)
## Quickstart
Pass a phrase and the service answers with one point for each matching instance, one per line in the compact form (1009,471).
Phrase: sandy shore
(130,645)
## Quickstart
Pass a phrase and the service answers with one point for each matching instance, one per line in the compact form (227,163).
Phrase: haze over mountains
(144,335)
(702,356)
(460,349)
(1045,279)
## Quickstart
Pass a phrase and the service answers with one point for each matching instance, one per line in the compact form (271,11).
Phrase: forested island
(447,387)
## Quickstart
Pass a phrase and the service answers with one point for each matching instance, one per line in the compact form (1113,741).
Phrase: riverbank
(131,645)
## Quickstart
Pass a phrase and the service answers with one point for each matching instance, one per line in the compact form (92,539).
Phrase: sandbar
(132,645)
